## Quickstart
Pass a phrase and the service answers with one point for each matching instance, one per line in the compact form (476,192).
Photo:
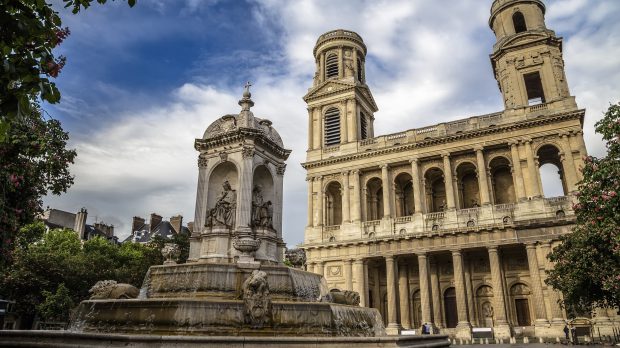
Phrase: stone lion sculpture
(345,297)
(257,300)
(110,289)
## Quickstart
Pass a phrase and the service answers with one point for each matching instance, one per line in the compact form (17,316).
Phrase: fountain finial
(246,102)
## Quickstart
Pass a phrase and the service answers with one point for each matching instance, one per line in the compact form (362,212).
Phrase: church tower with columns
(340,105)
(448,224)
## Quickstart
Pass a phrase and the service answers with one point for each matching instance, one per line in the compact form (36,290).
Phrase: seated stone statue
(223,213)
(262,212)
(110,289)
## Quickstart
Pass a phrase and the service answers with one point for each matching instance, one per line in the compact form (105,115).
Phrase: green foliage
(31,29)
(33,161)
(57,260)
(29,234)
(57,305)
(587,263)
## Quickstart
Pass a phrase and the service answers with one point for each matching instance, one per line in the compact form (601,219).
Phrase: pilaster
(356,206)
(360,280)
(436,294)
(319,201)
(310,197)
(348,274)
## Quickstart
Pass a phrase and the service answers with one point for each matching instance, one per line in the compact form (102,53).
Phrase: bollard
(486,341)
(557,340)
(526,340)
(540,340)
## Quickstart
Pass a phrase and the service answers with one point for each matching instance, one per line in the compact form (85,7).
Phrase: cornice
(449,138)
(240,135)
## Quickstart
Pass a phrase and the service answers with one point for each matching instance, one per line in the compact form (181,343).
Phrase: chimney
(155,221)
(176,222)
(136,223)
(80,223)
(190,227)
(111,231)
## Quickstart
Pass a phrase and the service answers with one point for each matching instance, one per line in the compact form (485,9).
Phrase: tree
(51,274)
(587,263)
(33,161)
(31,29)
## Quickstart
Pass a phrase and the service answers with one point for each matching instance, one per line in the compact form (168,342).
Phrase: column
(310,130)
(537,293)
(317,129)
(415,177)
(557,315)
(403,296)
(502,330)
(387,191)
(482,177)
(310,196)
(351,110)
(469,289)
(393,327)
(532,170)
(447,175)
(582,152)
(516,171)
(568,164)
(348,274)
(425,298)
(346,217)
(463,326)
(436,294)
(376,279)
(356,205)
(244,192)
(366,296)
(360,280)
(319,268)
(322,67)
(319,202)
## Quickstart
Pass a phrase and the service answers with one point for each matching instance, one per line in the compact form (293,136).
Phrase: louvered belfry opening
(331,66)
(363,126)
(332,127)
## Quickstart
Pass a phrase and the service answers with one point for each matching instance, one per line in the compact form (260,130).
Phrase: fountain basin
(225,280)
(184,316)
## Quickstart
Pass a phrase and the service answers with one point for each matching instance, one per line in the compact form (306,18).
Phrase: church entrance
(449,302)
(523,312)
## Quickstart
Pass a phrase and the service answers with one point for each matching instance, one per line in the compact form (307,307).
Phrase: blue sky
(141,83)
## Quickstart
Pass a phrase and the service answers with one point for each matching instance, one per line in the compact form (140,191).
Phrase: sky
(142,83)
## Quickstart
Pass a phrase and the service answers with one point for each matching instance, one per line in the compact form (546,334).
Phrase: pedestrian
(566,332)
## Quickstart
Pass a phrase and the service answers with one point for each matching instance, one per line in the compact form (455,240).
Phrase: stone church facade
(447,224)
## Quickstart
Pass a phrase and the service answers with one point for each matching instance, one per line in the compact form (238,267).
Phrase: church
(448,224)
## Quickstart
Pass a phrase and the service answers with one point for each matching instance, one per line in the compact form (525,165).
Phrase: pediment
(328,87)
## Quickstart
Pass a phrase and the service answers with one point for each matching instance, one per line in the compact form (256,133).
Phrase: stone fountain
(234,288)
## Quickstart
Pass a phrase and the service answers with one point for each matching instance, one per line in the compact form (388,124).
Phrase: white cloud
(428,62)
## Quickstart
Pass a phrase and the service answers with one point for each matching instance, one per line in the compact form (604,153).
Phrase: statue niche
(223,213)
(262,212)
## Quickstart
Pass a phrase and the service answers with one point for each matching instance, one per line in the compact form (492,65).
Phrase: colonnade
(398,289)
(526,182)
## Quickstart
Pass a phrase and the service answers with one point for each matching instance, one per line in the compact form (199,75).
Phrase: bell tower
(527,57)
(340,106)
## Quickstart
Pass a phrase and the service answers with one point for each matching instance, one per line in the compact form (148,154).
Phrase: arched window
(332,127)
(469,192)
(331,66)
(404,195)
(359,70)
(551,173)
(519,22)
(333,208)
(374,199)
(435,189)
(501,180)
